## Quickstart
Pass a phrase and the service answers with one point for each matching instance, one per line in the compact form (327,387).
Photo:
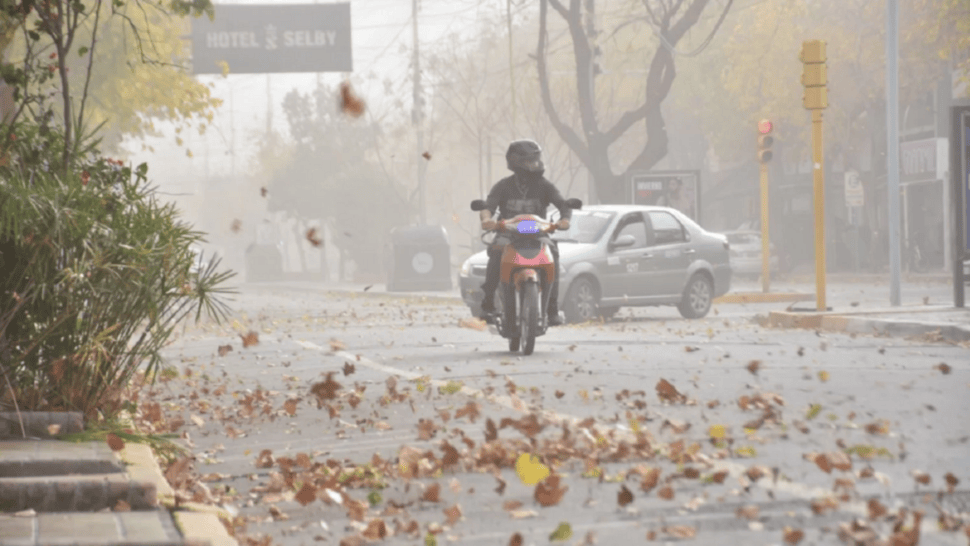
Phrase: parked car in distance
(615,256)
(746,253)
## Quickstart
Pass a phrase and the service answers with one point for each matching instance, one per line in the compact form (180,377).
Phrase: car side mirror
(478,205)
(623,241)
(574,203)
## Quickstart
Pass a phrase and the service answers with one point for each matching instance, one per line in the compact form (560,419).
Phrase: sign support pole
(819,180)
(892,143)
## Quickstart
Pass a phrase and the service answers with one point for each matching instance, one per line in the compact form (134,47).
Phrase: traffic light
(765,140)
(814,75)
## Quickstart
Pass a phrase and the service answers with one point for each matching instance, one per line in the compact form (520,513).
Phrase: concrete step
(39,424)
(53,476)
(154,527)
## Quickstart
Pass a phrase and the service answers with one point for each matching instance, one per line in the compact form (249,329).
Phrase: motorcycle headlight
(466,268)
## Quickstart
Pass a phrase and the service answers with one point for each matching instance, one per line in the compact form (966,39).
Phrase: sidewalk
(58,492)
(931,322)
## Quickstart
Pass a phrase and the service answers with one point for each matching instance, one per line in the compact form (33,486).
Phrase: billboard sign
(265,39)
(676,189)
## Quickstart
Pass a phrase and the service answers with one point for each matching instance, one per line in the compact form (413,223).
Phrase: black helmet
(524,156)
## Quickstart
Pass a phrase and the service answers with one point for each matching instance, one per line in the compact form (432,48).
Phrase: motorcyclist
(525,192)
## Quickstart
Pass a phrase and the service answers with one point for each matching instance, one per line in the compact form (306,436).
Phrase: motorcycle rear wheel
(529,317)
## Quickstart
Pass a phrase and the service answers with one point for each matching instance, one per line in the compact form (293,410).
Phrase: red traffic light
(764,126)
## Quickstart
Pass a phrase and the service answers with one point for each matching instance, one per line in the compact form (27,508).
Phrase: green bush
(95,273)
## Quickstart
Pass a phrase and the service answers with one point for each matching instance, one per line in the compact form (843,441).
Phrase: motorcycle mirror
(574,203)
(478,204)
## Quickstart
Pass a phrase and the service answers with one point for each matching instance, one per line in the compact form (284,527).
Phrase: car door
(671,252)
(623,272)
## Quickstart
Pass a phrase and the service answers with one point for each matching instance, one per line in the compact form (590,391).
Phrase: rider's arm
(493,201)
(556,199)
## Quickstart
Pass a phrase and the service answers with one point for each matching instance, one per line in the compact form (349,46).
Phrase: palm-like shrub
(95,273)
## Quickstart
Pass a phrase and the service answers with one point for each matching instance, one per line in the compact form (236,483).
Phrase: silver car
(617,256)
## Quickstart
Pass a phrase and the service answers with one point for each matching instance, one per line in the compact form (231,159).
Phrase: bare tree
(670,20)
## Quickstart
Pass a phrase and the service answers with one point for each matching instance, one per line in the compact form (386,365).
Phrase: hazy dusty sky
(382,43)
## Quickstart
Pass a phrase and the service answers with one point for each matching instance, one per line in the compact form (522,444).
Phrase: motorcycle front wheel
(529,317)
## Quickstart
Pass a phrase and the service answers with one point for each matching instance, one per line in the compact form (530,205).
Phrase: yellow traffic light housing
(814,75)
(765,140)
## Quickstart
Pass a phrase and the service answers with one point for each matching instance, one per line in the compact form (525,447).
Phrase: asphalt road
(896,406)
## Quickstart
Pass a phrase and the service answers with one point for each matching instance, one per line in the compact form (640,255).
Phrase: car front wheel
(582,301)
(698,296)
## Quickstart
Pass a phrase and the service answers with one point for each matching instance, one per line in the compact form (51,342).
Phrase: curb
(199,524)
(847,323)
(763,297)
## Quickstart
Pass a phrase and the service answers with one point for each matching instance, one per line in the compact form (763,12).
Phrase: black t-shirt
(513,198)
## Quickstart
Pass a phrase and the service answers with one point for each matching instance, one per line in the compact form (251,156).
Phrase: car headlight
(466,268)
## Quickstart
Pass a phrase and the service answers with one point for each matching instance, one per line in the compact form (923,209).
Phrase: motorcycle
(525,277)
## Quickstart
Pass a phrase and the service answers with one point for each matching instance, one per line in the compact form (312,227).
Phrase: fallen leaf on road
(827,504)
(349,368)
(680,531)
(327,389)
(823,376)
(224,350)
(530,470)
(432,493)
(650,477)
(510,505)
(249,339)
(668,393)
(453,513)
(666,492)
(951,482)
(563,532)
(748,511)
(470,410)
(921,477)
(792,536)
(624,497)
(376,530)
(548,492)
(515,540)
(876,509)
(943,367)
(754,366)
(306,494)
(676,425)
(290,406)
(337,345)
(522,514)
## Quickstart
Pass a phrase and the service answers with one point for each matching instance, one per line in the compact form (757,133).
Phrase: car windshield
(585,226)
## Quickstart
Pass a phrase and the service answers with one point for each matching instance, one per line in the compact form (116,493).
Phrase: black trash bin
(421,259)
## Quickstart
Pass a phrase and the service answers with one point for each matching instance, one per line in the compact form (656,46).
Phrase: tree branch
(565,132)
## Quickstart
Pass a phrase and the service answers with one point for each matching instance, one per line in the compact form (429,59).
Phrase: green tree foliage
(121,63)
(329,170)
(95,274)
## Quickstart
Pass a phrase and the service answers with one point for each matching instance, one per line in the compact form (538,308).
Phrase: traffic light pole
(819,181)
(765,242)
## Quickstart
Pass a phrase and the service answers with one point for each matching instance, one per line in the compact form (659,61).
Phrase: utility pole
(508,19)
(815,99)
(418,115)
(892,144)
